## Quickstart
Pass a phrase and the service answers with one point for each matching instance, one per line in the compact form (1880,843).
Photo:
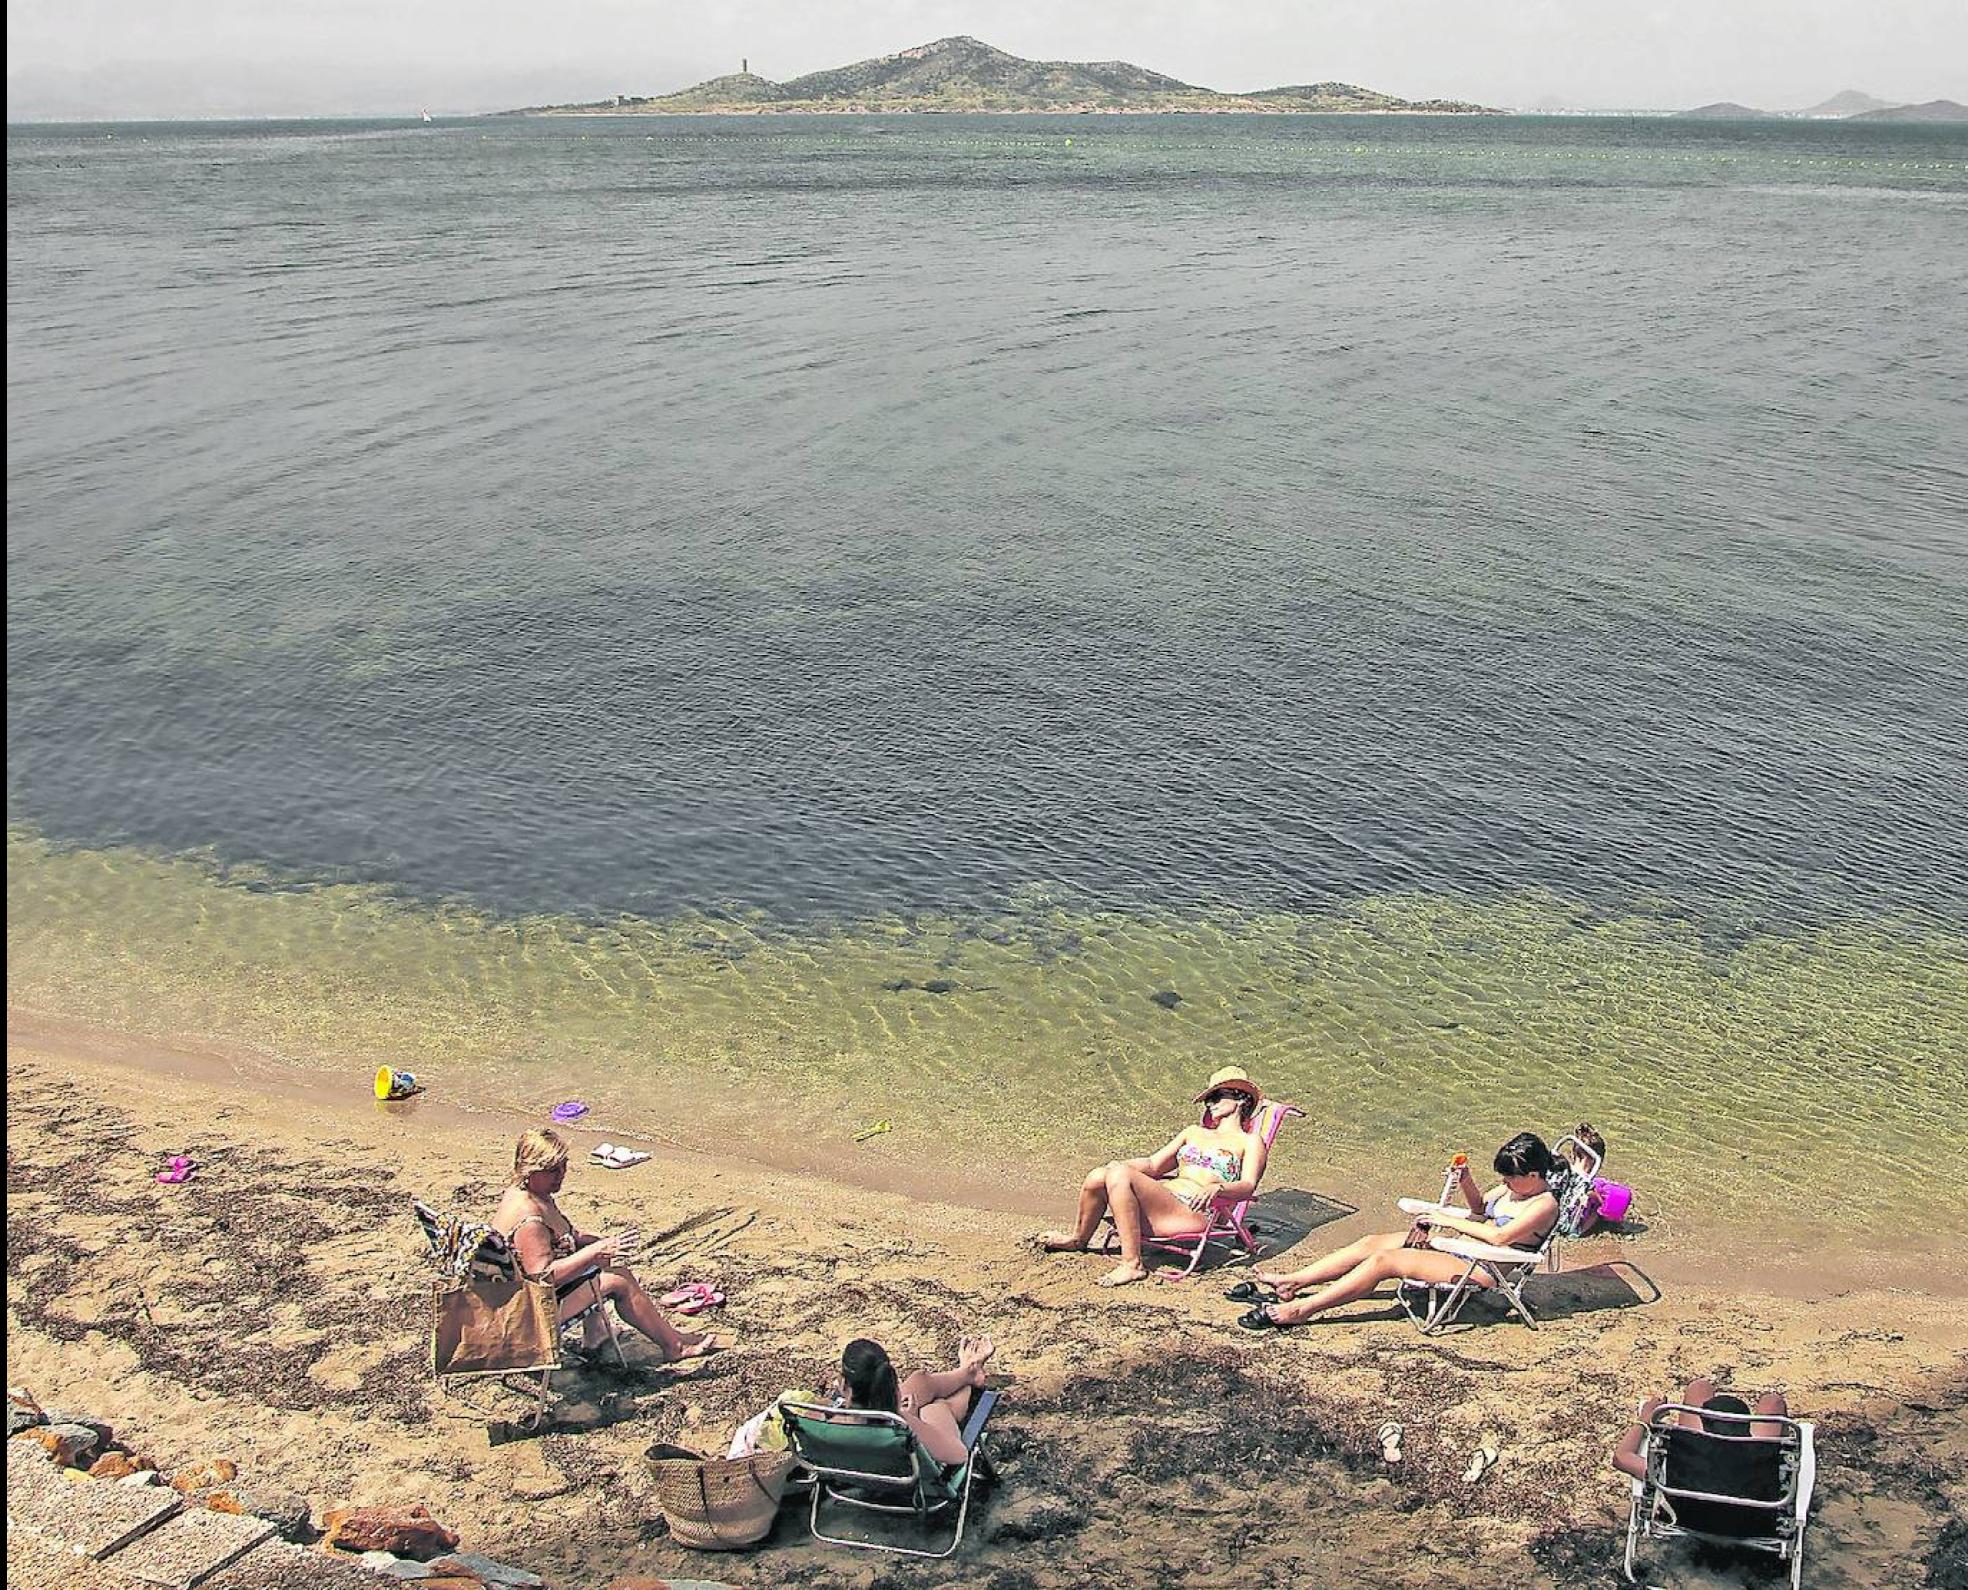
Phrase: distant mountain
(1724,110)
(965,74)
(1933,110)
(1848,103)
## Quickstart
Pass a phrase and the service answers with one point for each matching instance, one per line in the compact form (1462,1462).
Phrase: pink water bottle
(1452,1183)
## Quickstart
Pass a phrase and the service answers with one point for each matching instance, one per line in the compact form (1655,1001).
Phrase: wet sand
(272,1311)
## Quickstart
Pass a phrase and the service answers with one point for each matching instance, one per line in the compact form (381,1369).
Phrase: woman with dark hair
(1515,1214)
(1169,1193)
(935,1403)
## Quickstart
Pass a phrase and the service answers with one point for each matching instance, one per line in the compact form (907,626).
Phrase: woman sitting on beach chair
(1516,1214)
(935,1403)
(1768,1416)
(1170,1192)
(582,1268)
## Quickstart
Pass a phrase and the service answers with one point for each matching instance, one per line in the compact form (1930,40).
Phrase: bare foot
(1124,1275)
(1060,1242)
(695,1347)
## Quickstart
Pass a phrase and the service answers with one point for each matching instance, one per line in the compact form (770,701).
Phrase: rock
(70,1445)
(488,1571)
(205,1476)
(1167,998)
(141,1477)
(643,1581)
(116,1466)
(290,1515)
(23,1412)
(405,1531)
(1035,1518)
(395,1567)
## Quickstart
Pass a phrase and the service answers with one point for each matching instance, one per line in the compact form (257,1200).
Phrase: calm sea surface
(1468,617)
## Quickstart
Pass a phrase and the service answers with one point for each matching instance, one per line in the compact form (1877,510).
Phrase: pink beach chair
(1229,1218)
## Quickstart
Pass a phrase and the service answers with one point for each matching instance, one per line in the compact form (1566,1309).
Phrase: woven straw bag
(718,1504)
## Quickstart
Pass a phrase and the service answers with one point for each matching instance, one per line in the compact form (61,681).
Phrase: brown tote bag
(491,1326)
(718,1504)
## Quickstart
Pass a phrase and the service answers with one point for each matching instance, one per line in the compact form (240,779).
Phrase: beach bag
(718,1504)
(495,1325)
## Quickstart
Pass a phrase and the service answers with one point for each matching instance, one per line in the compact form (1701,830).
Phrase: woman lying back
(1515,1214)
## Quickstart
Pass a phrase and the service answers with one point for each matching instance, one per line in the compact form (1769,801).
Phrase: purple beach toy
(572,1110)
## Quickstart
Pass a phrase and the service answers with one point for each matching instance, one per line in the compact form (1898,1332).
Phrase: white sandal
(610,1157)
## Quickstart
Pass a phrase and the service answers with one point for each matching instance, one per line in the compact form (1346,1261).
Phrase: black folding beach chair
(1724,1485)
(870,1460)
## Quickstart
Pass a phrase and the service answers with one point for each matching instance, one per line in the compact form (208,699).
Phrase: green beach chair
(871,1460)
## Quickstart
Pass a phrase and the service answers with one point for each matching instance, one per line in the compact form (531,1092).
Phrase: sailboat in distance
(425,114)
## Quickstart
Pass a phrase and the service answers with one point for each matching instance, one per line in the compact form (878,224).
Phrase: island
(965,74)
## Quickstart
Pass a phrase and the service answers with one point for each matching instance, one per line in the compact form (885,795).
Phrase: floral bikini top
(1218,1162)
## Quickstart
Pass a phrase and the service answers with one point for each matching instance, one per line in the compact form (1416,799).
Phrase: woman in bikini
(1169,1193)
(1515,1214)
(581,1268)
(934,1402)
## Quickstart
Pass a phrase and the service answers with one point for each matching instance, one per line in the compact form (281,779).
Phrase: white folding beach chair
(1726,1486)
(1434,1305)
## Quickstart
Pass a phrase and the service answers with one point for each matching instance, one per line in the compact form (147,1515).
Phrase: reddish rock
(220,1502)
(115,1465)
(405,1531)
(70,1445)
(206,1476)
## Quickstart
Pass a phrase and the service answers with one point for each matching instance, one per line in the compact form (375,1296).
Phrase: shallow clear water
(1478,608)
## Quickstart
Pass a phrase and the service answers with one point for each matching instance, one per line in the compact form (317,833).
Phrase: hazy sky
(112,58)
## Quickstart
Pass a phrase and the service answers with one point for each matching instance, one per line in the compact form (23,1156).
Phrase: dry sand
(273,1311)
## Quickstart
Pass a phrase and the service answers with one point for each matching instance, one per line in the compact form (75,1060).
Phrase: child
(1609,1199)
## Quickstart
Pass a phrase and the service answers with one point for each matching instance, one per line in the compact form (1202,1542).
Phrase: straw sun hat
(1231,1079)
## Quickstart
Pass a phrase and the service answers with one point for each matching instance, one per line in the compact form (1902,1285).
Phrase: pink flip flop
(693,1297)
(698,1304)
(176,1170)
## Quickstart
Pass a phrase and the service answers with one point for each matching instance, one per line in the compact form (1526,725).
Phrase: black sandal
(1262,1319)
(1249,1291)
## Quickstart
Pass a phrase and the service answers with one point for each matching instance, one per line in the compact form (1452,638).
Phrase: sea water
(980,621)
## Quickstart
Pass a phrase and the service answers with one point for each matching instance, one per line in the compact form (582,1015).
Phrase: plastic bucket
(394,1084)
(1614,1200)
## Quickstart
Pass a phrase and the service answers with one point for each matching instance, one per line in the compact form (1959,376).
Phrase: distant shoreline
(555,113)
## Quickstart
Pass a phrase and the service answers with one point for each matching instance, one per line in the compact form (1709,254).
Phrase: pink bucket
(1614,1200)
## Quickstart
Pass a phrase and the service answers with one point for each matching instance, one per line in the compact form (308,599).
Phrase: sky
(112,59)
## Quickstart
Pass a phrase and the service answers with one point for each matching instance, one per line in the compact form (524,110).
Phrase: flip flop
(689,1292)
(1262,1319)
(611,1157)
(1390,1442)
(177,1169)
(703,1301)
(1248,1291)
(1481,1461)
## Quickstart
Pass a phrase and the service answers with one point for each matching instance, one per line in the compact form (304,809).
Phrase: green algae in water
(1824,1067)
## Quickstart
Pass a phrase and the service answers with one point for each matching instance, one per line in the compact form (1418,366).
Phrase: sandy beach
(272,1311)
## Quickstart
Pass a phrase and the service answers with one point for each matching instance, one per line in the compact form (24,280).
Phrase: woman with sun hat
(1169,1193)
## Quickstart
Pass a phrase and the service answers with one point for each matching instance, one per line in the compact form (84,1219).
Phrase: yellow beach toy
(394,1084)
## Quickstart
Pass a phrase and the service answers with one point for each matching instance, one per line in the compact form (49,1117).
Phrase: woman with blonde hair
(1169,1193)
(581,1268)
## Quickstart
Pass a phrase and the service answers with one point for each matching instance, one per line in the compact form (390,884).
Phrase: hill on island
(965,74)
(1723,110)
(1933,110)
(1849,102)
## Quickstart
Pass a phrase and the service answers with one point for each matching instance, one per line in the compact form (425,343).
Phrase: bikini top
(1218,1162)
